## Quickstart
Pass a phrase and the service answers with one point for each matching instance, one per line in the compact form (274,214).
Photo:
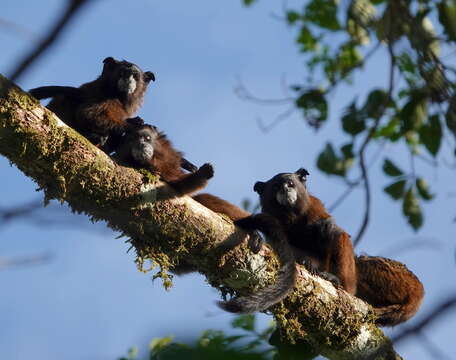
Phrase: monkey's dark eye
(148,138)
(290,183)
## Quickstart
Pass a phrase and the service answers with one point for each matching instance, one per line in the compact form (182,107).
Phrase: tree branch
(71,10)
(168,230)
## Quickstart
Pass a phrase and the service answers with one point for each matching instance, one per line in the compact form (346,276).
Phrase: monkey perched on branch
(326,250)
(99,109)
(145,147)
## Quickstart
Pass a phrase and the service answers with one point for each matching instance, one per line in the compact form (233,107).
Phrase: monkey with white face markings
(388,285)
(100,110)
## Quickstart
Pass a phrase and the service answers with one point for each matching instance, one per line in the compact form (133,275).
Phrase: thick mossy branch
(167,229)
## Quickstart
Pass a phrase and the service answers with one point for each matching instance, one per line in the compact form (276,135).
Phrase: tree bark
(168,230)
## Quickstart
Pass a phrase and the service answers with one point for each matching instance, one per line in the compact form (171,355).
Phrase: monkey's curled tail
(390,287)
(286,278)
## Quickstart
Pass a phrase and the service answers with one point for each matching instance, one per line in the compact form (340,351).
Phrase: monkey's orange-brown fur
(99,109)
(388,285)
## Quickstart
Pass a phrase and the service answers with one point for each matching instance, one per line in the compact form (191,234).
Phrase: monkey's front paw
(311,267)
(206,171)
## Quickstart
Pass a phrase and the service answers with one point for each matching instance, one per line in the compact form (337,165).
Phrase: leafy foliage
(417,107)
(215,344)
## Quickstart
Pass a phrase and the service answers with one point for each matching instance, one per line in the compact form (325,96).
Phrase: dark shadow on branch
(54,33)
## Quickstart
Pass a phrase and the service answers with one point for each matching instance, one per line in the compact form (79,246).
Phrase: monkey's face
(284,192)
(140,143)
(125,78)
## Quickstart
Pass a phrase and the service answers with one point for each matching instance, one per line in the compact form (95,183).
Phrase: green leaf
(450,116)
(376,103)
(158,344)
(347,151)
(431,134)
(411,209)
(246,322)
(447,17)
(390,169)
(329,162)
(314,105)
(292,16)
(306,39)
(406,64)
(132,353)
(390,130)
(322,13)
(414,113)
(347,59)
(248,2)
(353,121)
(423,189)
(357,33)
(396,190)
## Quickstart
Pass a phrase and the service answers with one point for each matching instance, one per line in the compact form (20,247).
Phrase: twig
(432,349)
(69,13)
(283,116)
(241,91)
(17,29)
(354,67)
(25,261)
(364,146)
(413,244)
(427,321)
(354,184)
(7,215)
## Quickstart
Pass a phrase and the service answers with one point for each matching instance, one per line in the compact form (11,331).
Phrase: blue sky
(90,302)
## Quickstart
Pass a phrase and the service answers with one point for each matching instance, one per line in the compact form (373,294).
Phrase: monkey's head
(139,144)
(125,80)
(284,193)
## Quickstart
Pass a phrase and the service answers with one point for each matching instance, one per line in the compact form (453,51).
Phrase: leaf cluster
(215,344)
(417,107)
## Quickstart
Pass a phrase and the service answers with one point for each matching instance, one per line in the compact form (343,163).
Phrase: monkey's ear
(259,187)
(302,174)
(109,60)
(148,76)
(136,122)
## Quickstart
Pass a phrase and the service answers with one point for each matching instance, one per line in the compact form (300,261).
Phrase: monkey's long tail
(390,287)
(286,278)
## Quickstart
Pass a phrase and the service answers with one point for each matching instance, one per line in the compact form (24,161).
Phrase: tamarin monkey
(145,147)
(99,109)
(392,289)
